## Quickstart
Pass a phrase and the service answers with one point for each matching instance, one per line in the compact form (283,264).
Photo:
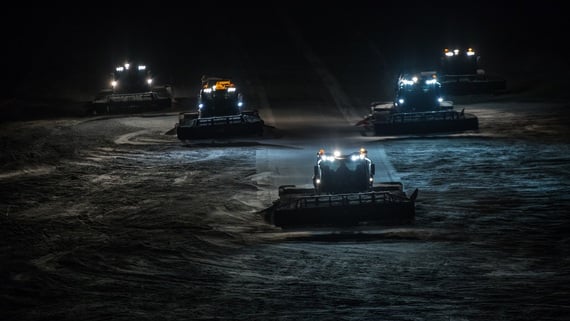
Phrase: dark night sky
(71,50)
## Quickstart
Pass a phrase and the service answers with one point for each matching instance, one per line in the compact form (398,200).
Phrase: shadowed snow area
(112,217)
(109,218)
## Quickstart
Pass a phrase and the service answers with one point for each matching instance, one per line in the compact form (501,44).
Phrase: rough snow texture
(111,219)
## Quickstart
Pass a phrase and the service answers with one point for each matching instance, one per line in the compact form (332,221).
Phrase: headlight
(114,83)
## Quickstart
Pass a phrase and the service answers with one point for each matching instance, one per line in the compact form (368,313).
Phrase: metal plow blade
(136,102)
(385,208)
(427,122)
(221,127)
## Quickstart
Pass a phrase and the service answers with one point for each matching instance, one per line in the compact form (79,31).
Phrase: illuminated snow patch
(28,172)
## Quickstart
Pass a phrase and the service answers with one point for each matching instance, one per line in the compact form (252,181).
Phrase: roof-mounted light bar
(456,52)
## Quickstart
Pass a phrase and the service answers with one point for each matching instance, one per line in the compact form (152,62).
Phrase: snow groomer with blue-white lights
(419,107)
(344,194)
(132,90)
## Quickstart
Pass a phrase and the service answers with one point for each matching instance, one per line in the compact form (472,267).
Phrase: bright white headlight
(114,83)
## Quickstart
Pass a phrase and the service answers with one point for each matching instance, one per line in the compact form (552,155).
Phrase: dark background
(109,217)
(67,52)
